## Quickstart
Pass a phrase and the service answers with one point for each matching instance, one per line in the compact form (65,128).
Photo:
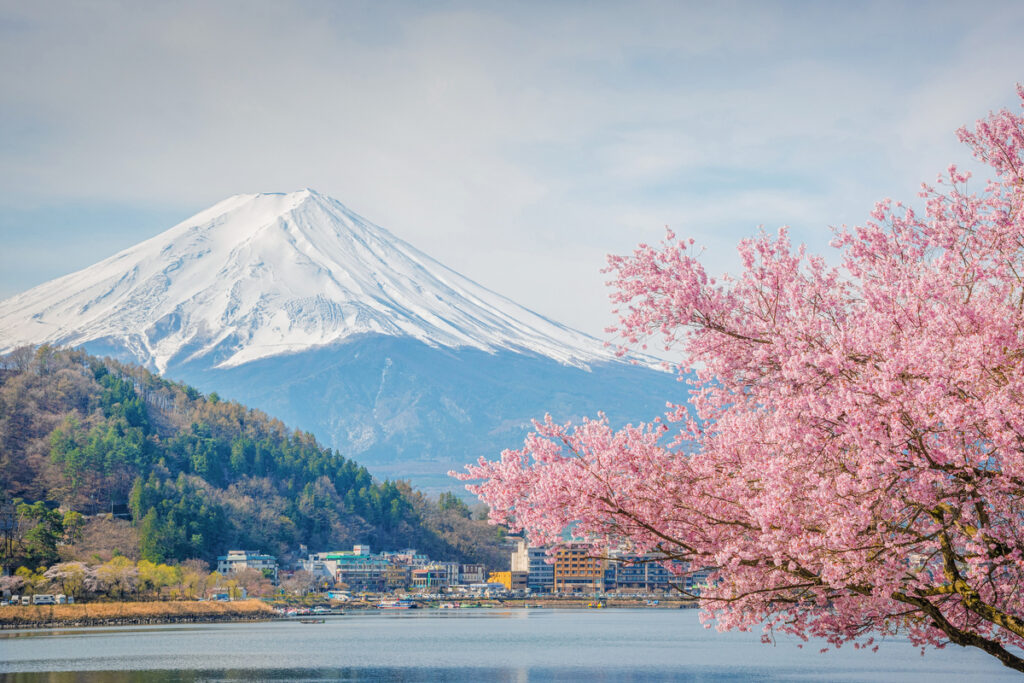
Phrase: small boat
(404,603)
(312,621)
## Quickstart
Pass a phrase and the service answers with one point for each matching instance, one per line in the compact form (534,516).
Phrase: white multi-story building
(534,560)
(451,570)
(237,560)
(472,573)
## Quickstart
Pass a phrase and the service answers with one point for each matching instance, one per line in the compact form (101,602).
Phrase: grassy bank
(120,613)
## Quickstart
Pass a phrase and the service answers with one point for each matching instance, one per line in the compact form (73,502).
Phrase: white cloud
(517,142)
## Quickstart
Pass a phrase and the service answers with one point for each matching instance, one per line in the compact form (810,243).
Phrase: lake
(514,645)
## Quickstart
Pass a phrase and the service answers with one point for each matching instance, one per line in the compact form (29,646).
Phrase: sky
(516,142)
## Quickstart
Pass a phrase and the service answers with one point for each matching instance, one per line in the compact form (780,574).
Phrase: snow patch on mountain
(262,275)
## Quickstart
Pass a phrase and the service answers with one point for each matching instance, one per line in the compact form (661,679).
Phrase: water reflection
(465,645)
(397,675)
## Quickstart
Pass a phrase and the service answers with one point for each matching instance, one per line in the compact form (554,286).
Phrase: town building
(575,568)
(237,560)
(472,573)
(408,556)
(451,570)
(434,576)
(695,581)
(397,576)
(359,569)
(578,571)
(534,561)
(512,581)
(646,573)
(321,571)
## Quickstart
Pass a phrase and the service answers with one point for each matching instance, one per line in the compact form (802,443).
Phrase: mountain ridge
(263,274)
(292,304)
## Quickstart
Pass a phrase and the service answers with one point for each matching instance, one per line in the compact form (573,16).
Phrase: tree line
(119,578)
(191,475)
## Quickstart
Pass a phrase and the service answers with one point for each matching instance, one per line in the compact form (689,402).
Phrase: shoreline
(606,603)
(546,602)
(99,614)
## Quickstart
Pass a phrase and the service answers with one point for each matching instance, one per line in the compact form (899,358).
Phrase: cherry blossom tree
(72,578)
(851,461)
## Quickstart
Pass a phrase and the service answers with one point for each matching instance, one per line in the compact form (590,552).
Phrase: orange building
(511,580)
(576,571)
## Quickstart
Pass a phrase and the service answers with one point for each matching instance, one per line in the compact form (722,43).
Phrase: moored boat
(403,603)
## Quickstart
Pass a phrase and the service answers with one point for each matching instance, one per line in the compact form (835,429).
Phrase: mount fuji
(294,304)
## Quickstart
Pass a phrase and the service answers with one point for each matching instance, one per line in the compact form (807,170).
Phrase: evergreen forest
(99,459)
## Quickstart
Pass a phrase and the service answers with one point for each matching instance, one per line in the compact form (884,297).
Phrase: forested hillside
(195,475)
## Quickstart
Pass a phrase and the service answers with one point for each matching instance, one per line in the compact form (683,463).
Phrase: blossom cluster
(852,456)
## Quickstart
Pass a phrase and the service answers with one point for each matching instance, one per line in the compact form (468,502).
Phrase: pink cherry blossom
(851,460)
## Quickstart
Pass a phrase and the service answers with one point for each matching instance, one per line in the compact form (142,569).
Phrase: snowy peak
(261,275)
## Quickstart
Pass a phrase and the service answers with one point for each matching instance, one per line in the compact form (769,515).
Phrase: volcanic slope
(294,304)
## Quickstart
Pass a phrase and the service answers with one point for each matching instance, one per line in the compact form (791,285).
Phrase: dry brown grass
(127,612)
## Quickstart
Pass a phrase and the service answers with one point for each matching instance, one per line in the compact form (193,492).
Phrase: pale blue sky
(516,142)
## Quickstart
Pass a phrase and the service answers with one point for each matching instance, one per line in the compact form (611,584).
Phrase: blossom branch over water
(852,457)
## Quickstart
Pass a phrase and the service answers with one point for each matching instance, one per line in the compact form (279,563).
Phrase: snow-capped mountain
(261,275)
(293,304)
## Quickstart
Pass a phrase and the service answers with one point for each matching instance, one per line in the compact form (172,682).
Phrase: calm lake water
(466,645)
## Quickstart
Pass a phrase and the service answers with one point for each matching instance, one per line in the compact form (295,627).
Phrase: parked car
(43,599)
